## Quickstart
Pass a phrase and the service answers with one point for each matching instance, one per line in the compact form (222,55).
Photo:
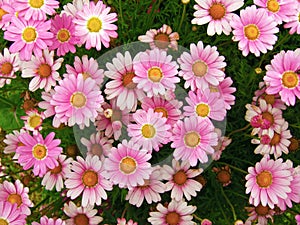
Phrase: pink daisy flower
(87,179)
(163,38)
(149,130)
(268,181)
(170,109)
(97,144)
(254,30)
(79,215)
(39,153)
(127,166)
(155,72)
(259,214)
(12,141)
(193,139)
(6,13)
(49,109)
(10,214)
(123,222)
(72,8)
(294,23)
(279,10)
(205,105)
(16,194)
(88,67)
(29,36)
(56,176)
(122,88)
(180,180)
(177,212)
(201,67)
(223,142)
(49,221)
(206,222)
(94,25)
(226,92)
(149,191)
(217,13)
(76,101)
(64,39)
(9,65)
(36,9)
(33,121)
(282,76)
(297,218)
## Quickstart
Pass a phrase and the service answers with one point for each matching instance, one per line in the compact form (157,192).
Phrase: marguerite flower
(6,13)
(294,22)
(123,222)
(9,64)
(217,13)
(33,120)
(72,8)
(11,215)
(259,214)
(226,92)
(49,109)
(49,221)
(12,141)
(254,30)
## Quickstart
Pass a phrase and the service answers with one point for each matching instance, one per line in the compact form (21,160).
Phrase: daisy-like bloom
(87,178)
(264,118)
(94,25)
(9,64)
(150,190)
(205,104)
(88,67)
(217,13)
(33,120)
(64,39)
(223,142)
(201,67)
(282,76)
(97,144)
(49,221)
(12,141)
(177,212)
(49,109)
(180,180)
(122,88)
(274,145)
(254,30)
(294,22)
(72,8)
(163,38)
(170,109)
(259,214)
(193,139)
(149,130)
(279,10)
(155,72)
(297,218)
(10,214)
(127,166)
(29,36)
(6,13)
(226,92)
(76,101)
(16,193)
(81,215)
(39,153)
(223,175)
(268,181)
(36,9)
(123,222)
(56,176)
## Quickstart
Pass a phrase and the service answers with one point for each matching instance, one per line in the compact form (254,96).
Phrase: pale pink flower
(33,120)
(226,92)
(297,218)
(223,142)
(12,141)
(72,8)
(259,214)
(49,109)
(294,22)
(49,221)
(6,13)
(9,65)
(10,214)
(206,222)
(123,222)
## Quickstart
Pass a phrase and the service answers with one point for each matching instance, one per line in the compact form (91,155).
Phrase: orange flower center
(223,176)
(202,110)
(262,210)
(161,40)
(81,219)
(217,11)
(78,99)
(268,116)
(3,221)
(161,110)
(276,139)
(15,198)
(155,74)
(294,145)
(39,151)
(63,35)
(199,68)
(34,121)
(251,32)
(273,6)
(148,131)
(36,3)
(29,34)
(172,218)
(180,177)
(290,79)
(2,13)
(44,70)
(128,165)
(94,24)
(96,149)
(264,179)
(90,178)
(6,68)
(270,99)
(127,80)
(192,139)
(57,169)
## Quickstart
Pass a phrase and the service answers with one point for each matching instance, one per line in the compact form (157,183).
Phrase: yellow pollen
(34,121)
(202,110)
(161,40)
(78,99)
(251,32)
(148,131)
(81,219)
(172,218)
(217,11)
(44,70)
(6,68)
(155,74)
(39,151)
(36,3)
(2,13)
(128,165)
(108,113)
(180,177)
(90,178)
(161,110)
(94,24)
(63,35)
(199,68)
(3,221)
(299,17)
(192,139)
(290,79)
(15,198)
(273,6)
(127,80)
(29,34)
(264,179)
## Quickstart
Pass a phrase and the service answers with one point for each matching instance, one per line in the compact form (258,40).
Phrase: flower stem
(233,167)
(229,203)
(182,17)
(239,130)
(7,102)
(197,217)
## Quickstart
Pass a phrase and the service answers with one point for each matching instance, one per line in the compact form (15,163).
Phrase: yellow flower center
(192,139)
(57,169)
(6,68)
(127,80)
(180,177)
(251,32)
(199,68)
(3,221)
(15,198)
(2,13)
(290,79)
(161,40)
(44,70)
(155,74)
(39,151)
(128,165)
(202,110)
(217,11)
(148,131)
(96,149)
(213,89)
(108,113)
(36,3)
(299,17)
(63,35)
(172,218)
(29,34)
(273,6)
(90,178)
(34,121)
(262,210)
(94,24)
(81,219)
(78,99)
(161,110)
(264,179)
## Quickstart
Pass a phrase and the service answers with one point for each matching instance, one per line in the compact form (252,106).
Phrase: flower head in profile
(260,214)
(49,221)
(71,9)
(122,221)
(9,65)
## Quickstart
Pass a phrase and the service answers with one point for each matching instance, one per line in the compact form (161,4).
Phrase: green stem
(120,13)
(197,217)
(8,102)
(239,130)
(182,17)
(233,167)
(229,203)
